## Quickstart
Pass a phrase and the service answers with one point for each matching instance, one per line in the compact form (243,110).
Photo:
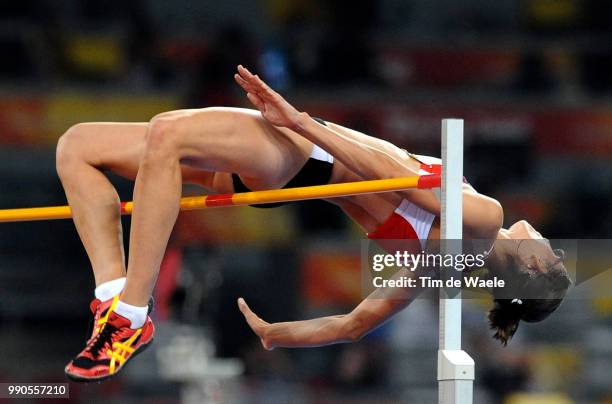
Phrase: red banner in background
(331,277)
(575,131)
(21,119)
(441,67)
(556,130)
(417,128)
(40,120)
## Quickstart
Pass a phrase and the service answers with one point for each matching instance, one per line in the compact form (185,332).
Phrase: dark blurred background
(531,78)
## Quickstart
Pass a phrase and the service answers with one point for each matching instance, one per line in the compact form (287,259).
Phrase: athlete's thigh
(237,140)
(111,145)
(119,147)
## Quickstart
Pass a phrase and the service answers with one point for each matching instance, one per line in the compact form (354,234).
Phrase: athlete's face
(533,250)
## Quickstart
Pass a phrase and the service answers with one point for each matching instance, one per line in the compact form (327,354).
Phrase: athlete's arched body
(265,149)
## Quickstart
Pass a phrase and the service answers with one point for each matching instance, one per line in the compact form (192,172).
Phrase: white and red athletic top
(408,221)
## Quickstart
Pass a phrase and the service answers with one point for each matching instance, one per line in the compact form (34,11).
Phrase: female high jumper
(229,150)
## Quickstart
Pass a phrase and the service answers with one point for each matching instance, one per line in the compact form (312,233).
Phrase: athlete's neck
(501,254)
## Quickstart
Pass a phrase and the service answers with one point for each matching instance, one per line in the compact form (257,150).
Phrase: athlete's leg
(82,153)
(216,139)
(92,198)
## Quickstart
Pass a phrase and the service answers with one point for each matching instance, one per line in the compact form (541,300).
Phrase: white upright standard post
(455,367)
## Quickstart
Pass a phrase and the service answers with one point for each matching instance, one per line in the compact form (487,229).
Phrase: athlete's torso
(382,216)
(409,221)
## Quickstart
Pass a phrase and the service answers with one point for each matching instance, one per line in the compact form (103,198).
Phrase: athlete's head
(537,280)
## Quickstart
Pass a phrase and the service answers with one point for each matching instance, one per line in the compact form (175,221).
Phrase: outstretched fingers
(242,82)
(272,105)
(246,85)
(252,83)
(252,319)
(245,73)
(252,94)
(246,79)
(257,324)
(257,101)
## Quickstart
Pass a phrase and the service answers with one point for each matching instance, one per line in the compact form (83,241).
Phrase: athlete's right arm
(372,312)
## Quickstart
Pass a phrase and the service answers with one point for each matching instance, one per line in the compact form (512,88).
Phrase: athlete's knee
(168,131)
(163,136)
(210,122)
(171,133)
(69,149)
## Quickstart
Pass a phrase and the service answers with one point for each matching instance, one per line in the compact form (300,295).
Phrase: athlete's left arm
(377,308)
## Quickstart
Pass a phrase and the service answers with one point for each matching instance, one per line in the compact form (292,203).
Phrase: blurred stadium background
(531,78)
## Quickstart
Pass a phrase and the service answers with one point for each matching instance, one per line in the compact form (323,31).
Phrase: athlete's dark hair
(543,293)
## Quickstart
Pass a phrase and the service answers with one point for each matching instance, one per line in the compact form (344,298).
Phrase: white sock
(136,315)
(109,289)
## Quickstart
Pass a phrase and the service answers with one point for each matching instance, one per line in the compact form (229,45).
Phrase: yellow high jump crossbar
(246,198)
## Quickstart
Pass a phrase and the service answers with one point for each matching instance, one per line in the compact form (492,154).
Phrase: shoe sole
(81,379)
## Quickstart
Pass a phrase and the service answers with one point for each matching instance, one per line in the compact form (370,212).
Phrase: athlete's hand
(274,108)
(257,324)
